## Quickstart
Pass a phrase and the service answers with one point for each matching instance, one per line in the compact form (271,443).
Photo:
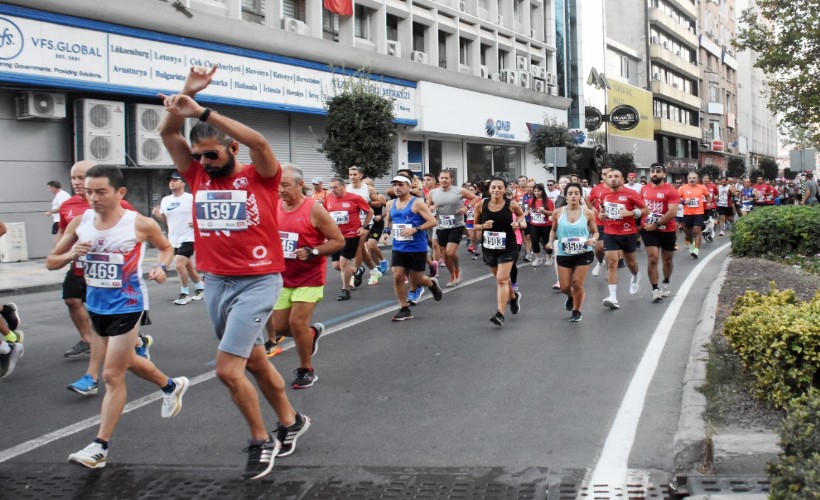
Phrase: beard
(656,180)
(224,170)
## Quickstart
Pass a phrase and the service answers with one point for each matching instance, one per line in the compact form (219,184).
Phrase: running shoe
(79,349)
(597,269)
(144,350)
(86,386)
(515,286)
(452,282)
(92,456)
(557,285)
(305,377)
(515,303)
(548,260)
(433,269)
(383,266)
(172,403)
(435,290)
(497,319)
(272,347)
(694,253)
(575,317)
(9,360)
(611,303)
(471,248)
(403,314)
(458,277)
(413,297)
(343,295)
(183,299)
(199,294)
(666,289)
(11,315)
(288,435)
(528,257)
(536,262)
(375,274)
(569,303)
(318,330)
(657,295)
(635,284)
(476,255)
(721,233)
(261,458)
(358,276)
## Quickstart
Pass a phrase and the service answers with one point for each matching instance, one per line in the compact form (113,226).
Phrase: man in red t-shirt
(711,206)
(765,191)
(235,230)
(594,203)
(621,207)
(659,231)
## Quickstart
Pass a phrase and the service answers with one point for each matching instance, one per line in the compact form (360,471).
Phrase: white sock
(613,289)
(5,348)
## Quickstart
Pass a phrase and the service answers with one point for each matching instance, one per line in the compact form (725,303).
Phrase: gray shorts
(239,307)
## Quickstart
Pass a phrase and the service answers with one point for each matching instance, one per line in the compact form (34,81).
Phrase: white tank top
(363,191)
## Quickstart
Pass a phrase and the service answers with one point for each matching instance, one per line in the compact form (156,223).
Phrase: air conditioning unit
(509,76)
(522,63)
(535,70)
(495,76)
(99,131)
(552,79)
(393,48)
(553,90)
(704,146)
(13,247)
(484,71)
(40,105)
(655,40)
(539,85)
(524,79)
(145,145)
(542,73)
(500,19)
(295,26)
(463,68)
(462,6)
(418,56)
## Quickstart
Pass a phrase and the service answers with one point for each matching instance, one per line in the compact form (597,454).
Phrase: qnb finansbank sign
(47,49)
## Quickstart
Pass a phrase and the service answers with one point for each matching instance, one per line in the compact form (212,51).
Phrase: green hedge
(796,476)
(778,232)
(777,337)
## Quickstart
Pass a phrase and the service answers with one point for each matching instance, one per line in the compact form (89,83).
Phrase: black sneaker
(515,303)
(319,328)
(569,303)
(497,319)
(260,458)
(343,295)
(403,314)
(358,276)
(288,435)
(11,316)
(575,317)
(435,290)
(305,377)
(79,349)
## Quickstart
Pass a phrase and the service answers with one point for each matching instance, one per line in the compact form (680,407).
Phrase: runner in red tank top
(594,203)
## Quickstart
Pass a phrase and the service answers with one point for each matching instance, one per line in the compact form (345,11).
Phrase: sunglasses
(550,185)
(211,155)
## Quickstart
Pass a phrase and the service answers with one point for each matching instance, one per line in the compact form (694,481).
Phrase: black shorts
(111,325)
(664,239)
(711,212)
(450,235)
(376,231)
(186,249)
(349,250)
(410,261)
(690,221)
(626,242)
(493,258)
(573,261)
(55,228)
(725,211)
(73,286)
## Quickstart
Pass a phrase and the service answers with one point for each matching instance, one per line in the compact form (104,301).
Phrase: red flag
(341,7)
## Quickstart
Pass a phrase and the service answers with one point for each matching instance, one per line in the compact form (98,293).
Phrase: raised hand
(181,105)
(198,79)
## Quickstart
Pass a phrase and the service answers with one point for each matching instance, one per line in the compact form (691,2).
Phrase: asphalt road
(444,389)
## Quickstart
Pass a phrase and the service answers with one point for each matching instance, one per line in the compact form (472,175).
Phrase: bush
(777,338)
(778,232)
(797,474)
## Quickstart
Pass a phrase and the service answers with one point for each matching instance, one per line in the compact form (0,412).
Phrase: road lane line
(612,466)
(88,423)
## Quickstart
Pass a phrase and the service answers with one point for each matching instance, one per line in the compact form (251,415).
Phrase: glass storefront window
(434,157)
(484,161)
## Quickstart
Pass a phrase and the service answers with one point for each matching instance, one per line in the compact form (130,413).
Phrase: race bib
(398,228)
(495,240)
(538,218)
(103,270)
(654,219)
(680,210)
(693,202)
(613,210)
(289,242)
(470,215)
(573,245)
(447,221)
(221,210)
(340,217)
(723,200)
(362,216)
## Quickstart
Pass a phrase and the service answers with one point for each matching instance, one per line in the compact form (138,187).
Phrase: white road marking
(611,468)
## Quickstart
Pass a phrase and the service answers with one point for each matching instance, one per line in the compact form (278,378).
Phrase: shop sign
(717,145)
(499,128)
(593,118)
(624,117)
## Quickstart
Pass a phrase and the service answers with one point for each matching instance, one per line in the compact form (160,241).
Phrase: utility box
(13,246)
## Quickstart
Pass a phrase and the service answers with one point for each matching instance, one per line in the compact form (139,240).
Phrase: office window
(625,66)
(361,22)
(464,51)
(392,25)
(418,36)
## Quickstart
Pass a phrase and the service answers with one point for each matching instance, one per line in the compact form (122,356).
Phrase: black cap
(175,175)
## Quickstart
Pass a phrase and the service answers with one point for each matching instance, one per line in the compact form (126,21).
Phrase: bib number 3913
(103,270)
(221,210)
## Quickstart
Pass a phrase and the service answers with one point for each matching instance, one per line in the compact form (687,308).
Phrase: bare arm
(3,228)
(554,228)
(422,209)
(67,249)
(149,230)
(593,227)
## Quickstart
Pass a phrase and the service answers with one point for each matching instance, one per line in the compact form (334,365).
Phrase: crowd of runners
(259,289)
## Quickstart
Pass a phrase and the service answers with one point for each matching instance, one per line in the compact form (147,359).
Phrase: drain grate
(639,485)
(706,485)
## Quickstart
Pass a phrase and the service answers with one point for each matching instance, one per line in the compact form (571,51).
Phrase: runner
(495,217)
(368,192)
(110,242)
(11,340)
(540,210)
(576,232)
(319,192)
(594,201)
(447,202)
(60,196)
(694,198)
(176,210)
(658,231)
(344,208)
(620,209)
(632,182)
(236,208)
(765,193)
(523,195)
(374,234)
(469,218)
(710,209)
(308,234)
(726,195)
(748,197)
(408,219)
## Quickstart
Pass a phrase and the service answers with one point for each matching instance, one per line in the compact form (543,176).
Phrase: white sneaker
(172,403)
(92,456)
(597,269)
(721,233)
(183,299)
(548,260)
(666,290)
(635,284)
(657,295)
(612,303)
(375,275)
(536,262)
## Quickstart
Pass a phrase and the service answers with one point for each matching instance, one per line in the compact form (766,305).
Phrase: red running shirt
(612,202)
(296,231)
(595,200)
(657,199)
(539,219)
(712,189)
(345,212)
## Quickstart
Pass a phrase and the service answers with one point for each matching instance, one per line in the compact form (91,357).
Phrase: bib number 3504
(221,210)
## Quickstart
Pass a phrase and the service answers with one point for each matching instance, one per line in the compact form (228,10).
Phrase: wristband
(386,230)
(205,114)
(163,266)
(637,213)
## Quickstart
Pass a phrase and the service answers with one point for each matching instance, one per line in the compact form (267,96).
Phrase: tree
(712,171)
(625,162)
(360,129)
(553,135)
(784,37)
(736,167)
(769,168)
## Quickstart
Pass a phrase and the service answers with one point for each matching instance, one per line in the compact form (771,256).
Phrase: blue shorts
(239,307)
